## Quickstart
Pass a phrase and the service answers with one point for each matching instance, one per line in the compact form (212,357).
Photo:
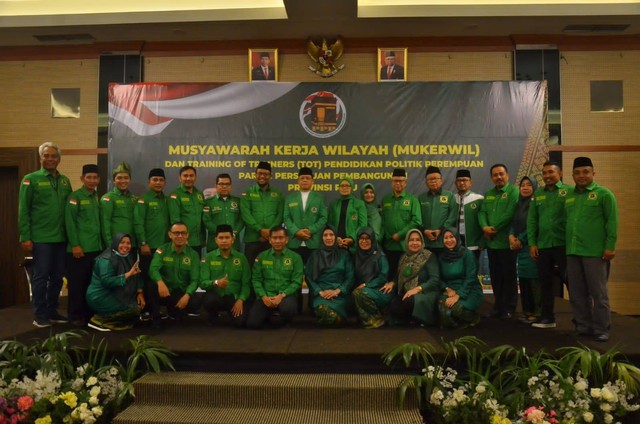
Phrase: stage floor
(304,347)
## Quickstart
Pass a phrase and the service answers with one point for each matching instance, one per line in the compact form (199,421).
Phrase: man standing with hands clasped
(592,232)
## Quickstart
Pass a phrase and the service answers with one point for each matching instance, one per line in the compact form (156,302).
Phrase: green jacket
(462,276)
(260,209)
(592,221)
(177,270)
(356,217)
(473,230)
(117,215)
(314,218)
(214,266)
(497,211)
(399,215)
(151,219)
(274,274)
(82,221)
(187,208)
(219,211)
(546,220)
(41,206)
(439,211)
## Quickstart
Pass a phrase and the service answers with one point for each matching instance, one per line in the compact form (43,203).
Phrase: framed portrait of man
(392,64)
(263,64)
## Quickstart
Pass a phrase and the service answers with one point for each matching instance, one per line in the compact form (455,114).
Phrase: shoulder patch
(159,251)
(174,196)
(106,198)
(73,201)
(26,182)
(141,200)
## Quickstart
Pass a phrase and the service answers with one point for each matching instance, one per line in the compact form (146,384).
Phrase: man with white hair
(43,195)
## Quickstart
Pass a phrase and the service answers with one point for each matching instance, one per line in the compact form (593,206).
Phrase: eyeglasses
(398,181)
(180,233)
(263,174)
(345,185)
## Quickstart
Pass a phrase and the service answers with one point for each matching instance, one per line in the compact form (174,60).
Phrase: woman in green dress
(462,292)
(329,275)
(115,293)
(371,274)
(374,220)
(347,214)
(418,283)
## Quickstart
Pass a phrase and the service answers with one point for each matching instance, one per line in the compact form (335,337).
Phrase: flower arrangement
(505,385)
(58,382)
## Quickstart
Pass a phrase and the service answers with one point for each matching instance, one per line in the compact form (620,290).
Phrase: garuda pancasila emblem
(325,57)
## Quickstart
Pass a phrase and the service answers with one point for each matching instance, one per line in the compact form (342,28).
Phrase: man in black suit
(391,71)
(264,72)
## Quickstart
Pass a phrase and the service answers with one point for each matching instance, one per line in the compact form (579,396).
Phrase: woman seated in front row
(418,284)
(462,295)
(371,272)
(329,275)
(115,292)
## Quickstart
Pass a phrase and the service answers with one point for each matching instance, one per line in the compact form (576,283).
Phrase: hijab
(352,184)
(325,256)
(519,222)
(452,255)
(367,266)
(363,189)
(411,264)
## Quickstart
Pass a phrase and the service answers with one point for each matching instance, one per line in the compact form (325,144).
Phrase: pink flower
(25,403)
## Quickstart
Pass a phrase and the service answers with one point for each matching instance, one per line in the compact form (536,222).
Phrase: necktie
(388,72)
(266,73)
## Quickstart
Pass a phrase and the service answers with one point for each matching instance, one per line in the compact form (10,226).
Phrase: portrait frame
(255,59)
(398,72)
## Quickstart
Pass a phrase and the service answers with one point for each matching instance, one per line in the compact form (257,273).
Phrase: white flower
(580,386)
(596,393)
(92,381)
(97,411)
(95,391)
(608,418)
(93,401)
(480,388)
(606,407)
(609,395)
(587,417)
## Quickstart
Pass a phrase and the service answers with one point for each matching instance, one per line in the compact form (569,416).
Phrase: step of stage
(268,398)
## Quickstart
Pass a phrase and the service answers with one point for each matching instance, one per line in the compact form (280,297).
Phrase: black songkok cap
(463,173)
(90,169)
(224,228)
(433,170)
(305,171)
(264,54)
(156,172)
(390,54)
(399,172)
(264,165)
(582,161)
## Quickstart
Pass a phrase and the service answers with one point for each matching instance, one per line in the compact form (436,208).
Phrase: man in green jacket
(151,224)
(305,215)
(117,207)
(41,203)
(276,278)
(82,222)
(438,210)
(225,275)
(175,270)
(262,208)
(495,218)
(468,204)
(546,233)
(592,232)
(185,205)
(222,208)
(400,213)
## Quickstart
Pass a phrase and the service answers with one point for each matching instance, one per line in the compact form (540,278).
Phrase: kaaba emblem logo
(322,114)
(562,193)
(287,261)
(444,199)
(186,260)
(236,261)
(406,202)
(593,195)
(473,206)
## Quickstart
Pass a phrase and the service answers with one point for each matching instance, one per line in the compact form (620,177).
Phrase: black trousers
(79,271)
(213,304)
(551,262)
(259,313)
(503,272)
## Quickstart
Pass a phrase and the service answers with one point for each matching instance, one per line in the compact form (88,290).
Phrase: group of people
(399,260)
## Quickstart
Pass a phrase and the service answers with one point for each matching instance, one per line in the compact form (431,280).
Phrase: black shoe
(603,337)
(145,316)
(41,323)
(506,316)
(526,320)
(78,323)
(544,323)
(56,318)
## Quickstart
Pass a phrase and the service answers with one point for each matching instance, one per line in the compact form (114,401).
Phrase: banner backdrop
(361,131)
